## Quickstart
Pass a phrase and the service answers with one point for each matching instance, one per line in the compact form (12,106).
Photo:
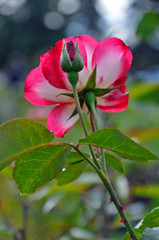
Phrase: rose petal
(40,92)
(116,100)
(120,82)
(113,59)
(59,120)
(90,44)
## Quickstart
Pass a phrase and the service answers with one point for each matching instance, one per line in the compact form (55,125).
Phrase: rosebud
(71,58)
(78,64)
(65,62)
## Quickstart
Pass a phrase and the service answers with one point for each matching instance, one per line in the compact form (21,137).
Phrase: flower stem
(83,123)
(84,156)
(114,198)
(90,99)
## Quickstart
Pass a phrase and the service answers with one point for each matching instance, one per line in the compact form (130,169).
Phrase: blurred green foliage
(148,25)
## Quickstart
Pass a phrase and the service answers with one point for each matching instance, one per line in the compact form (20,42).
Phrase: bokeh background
(80,210)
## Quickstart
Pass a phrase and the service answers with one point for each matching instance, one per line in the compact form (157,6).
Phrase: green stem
(93,111)
(84,156)
(114,198)
(81,153)
(90,99)
(83,123)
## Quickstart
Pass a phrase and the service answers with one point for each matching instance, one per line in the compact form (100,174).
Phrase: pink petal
(120,82)
(52,69)
(113,59)
(40,92)
(90,44)
(116,100)
(59,120)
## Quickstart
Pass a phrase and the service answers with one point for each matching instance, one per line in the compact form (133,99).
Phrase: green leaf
(74,158)
(148,24)
(137,231)
(74,166)
(116,141)
(38,166)
(72,172)
(20,135)
(150,219)
(151,234)
(114,162)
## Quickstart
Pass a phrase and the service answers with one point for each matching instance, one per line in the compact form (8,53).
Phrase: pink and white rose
(47,84)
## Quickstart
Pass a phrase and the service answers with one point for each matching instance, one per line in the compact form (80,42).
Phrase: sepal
(65,61)
(91,83)
(78,64)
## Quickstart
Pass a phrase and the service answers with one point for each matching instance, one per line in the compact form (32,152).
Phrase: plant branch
(82,154)
(90,98)
(25,217)
(114,198)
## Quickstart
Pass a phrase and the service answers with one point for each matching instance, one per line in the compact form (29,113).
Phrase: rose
(48,83)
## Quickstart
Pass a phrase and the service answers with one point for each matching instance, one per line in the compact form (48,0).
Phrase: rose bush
(48,83)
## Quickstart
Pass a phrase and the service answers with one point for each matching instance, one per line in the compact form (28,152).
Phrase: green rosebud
(65,61)
(71,58)
(78,64)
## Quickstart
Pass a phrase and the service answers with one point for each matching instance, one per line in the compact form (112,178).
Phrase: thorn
(130,237)
(122,220)
(96,151)
(110,200)
(122,208)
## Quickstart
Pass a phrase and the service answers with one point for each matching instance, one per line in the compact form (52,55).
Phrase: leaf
(38,166)
(148,24)
(151,234)
(72,172)
(137,231)
(114,162)
(149,219)
(116,141)
(74,158)
(74,166)
(20,135)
